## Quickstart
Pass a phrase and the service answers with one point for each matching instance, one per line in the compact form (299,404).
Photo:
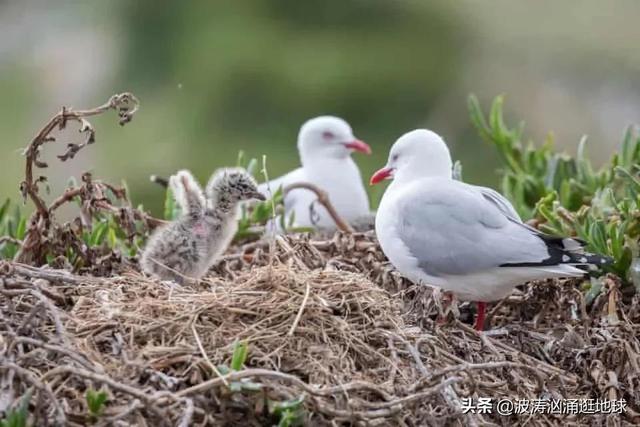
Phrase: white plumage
(462,238)
(444,233)
(325,145)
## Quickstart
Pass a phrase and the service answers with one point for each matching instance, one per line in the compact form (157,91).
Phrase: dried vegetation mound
(334,337)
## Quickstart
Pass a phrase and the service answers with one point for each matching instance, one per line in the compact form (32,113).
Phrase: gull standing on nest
(462,238)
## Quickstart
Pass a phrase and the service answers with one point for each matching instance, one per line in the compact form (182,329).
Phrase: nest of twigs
(327,322)
(333,334)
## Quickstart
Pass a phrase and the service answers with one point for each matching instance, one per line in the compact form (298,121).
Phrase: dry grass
(327,320)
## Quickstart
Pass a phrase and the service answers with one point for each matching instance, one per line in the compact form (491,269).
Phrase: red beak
(382,174)
(358,145)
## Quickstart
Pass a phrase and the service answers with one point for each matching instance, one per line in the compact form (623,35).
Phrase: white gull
(325,145)
(462,238)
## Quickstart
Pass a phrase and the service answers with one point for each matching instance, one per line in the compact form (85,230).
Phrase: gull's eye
(394,157)
(328,135)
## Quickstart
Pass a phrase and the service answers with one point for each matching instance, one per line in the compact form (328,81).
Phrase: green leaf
(95,401)
(98,234)
(277,407)
(223,369)
(290,412)
(235,386)
(594,290)
(495,116)
(583,165)
(629,148)
(3,209)
(111,238)
(457,170)
(634,273)
(240,352)
(597,237)
(623,264)
(632,180)
(21,229)
(477,118)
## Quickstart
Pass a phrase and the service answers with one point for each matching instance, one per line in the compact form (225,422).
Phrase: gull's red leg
(482,306)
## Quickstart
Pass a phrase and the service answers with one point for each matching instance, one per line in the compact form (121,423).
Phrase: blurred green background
(215,77)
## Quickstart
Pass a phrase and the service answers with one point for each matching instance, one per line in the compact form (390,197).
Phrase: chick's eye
(328,135)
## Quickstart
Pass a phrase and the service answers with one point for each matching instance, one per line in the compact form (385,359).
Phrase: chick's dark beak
(258,195)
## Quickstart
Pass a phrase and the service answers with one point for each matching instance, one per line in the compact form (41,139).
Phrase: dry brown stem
(92,194)
(323,199)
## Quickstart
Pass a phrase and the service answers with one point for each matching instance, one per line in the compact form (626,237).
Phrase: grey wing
(505,206)
(499,201)
(460,232)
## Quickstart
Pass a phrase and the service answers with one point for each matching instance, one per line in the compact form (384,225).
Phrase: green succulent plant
(567,195)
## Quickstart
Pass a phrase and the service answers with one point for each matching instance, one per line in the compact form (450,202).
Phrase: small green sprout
(95,402)
(289,412)
(240,351)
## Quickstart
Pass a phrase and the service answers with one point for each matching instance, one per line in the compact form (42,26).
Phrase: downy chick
(187,247)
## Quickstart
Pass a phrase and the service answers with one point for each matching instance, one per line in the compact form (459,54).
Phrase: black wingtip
(567,251)
(594,259)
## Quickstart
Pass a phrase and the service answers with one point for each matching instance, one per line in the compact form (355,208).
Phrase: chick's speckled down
(187,247)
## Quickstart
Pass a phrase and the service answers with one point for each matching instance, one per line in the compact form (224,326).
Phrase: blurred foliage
(567,195)
(259,63)
(13,226)
(216,77)
(79,245)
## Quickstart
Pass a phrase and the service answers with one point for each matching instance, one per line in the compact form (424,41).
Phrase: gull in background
(462,238)
(325,145)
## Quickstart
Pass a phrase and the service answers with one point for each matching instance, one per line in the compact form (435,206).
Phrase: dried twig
(58,349)
(103,379)
(9,239)
(125,103)
(52,275)
(55,315)
(204,355)
(323,199)
(304,303)
(42,385)
(33,247)
(328,391)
